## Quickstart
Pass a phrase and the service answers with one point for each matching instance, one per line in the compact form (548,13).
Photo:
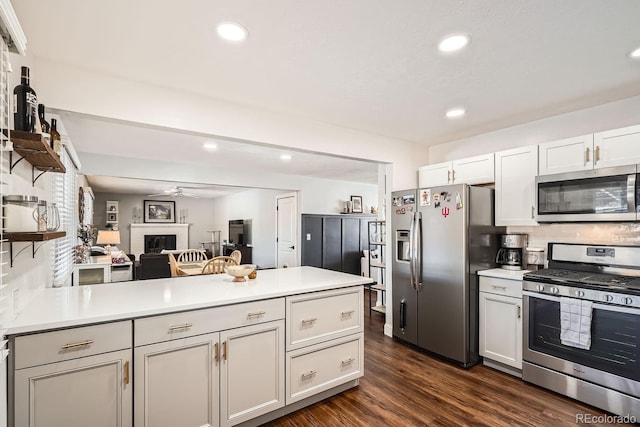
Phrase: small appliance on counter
(511,255)
(535,258)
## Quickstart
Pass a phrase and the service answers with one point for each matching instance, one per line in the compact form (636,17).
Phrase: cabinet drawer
(321,316)
(493,285)
(66,344)
(320,367)
(196,322)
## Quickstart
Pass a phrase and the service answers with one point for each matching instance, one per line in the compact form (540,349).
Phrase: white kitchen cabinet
(64,378)
(501,321)
(470,170)
(566,155)
(617,147)
(177,382)
(516,171)
(251,372)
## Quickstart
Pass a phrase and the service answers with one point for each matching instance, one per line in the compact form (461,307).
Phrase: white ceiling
(370,65)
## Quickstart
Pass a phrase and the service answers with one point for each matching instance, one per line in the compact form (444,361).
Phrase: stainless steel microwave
(608,194)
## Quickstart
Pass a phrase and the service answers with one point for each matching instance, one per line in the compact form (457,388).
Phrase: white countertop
(79,305)
(501,273)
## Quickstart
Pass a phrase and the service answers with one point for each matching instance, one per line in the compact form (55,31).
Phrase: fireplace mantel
(138,231)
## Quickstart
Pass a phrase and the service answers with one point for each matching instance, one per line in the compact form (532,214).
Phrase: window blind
(65,191)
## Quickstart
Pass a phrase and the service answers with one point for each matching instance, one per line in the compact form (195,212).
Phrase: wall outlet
(308,236)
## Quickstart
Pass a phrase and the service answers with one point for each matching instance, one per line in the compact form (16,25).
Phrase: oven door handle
(598,306)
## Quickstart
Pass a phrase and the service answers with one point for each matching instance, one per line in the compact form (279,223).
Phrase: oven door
(613,360)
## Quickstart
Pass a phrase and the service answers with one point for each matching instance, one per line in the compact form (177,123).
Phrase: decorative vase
(82,253)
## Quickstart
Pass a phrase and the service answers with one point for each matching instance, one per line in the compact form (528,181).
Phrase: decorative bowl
(239,271)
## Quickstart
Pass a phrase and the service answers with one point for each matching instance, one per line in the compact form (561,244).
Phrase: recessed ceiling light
(232,32)
(635,54)
(454,113)
(453,43)
(210,146)
(285,157)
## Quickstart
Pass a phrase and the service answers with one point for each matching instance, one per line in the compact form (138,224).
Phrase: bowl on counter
(240,271)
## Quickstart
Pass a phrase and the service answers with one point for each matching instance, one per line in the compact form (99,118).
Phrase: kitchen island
(201,350)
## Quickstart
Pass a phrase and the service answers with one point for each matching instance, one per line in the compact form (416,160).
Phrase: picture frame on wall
(356,204)
(158,211)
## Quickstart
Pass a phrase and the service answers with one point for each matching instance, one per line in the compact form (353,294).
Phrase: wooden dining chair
(192,255)
(237,255)
(217,264)
(173,264)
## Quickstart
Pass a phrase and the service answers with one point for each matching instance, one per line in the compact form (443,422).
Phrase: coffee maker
(511,255)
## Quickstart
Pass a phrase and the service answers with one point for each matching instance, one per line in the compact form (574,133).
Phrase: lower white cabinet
(501,321)
(252,372)
(177,382)
(73,377)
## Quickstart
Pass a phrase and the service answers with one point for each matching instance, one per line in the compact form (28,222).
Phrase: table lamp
(108,238)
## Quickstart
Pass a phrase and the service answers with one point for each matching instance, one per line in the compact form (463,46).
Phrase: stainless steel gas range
(582,325)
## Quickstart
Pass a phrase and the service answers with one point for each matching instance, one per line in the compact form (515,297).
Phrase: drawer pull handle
(308,321)
(126,372)
(77,344)
(183,326)
(307,375)
(504,288)
(256,314)
(348,361)
(347,313)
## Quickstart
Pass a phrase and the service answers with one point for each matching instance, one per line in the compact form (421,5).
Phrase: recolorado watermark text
(605,419)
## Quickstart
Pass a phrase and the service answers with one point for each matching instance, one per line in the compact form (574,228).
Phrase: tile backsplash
(610,233)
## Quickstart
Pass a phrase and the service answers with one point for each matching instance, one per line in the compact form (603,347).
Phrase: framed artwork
(356,202)
(159,211)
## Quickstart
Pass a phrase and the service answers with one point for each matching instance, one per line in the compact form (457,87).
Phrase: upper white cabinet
(566,155)
(611,148)
(516,171)
(617,147)
(471,170)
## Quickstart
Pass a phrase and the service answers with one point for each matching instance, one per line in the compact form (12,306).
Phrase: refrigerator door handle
(412,255)
(418,255)
(403,314)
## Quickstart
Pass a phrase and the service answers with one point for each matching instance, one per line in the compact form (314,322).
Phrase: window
(65,190)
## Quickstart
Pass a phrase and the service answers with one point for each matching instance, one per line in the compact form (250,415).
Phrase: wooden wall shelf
(34,148)
(30,237)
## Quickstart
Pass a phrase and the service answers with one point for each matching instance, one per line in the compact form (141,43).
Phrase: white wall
(595,119)
(85,91)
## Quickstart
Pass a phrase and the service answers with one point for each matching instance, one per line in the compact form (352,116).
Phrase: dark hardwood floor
(406,387)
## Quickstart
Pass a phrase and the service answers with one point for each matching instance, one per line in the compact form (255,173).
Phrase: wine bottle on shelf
(56,144)
(43,123)
(25,104)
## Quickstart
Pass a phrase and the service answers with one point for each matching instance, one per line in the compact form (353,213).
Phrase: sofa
(153,266)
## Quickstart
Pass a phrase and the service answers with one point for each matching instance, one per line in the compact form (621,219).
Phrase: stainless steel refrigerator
(441,237)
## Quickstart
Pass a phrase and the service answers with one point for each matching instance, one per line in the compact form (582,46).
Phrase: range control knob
(608,298)
(554,290)
(627,301)
(580,294)
(540,288)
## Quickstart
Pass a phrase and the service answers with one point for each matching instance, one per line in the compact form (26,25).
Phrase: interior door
(286,230)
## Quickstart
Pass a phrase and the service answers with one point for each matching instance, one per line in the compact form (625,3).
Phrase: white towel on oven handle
(575,322)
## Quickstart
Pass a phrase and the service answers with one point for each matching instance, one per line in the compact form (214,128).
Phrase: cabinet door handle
(224,350)
(448,176)
(308,321)
(216,352)
(347,313)
(256,314)
(586,155)
(126,372)
(597,154)
(77,344)
(504,288)
(533,212)
(183,326)
(453,175)
(519,311)
(307,375)
(347,362)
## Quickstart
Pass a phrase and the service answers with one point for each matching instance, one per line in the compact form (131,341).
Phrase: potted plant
(86,235)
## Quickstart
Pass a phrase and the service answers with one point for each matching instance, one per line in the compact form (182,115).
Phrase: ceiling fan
(175,191)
